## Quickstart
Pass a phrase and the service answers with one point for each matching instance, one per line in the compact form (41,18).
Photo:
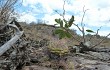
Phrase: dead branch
(82,24)
(98,31)
(13,40)
(100,41)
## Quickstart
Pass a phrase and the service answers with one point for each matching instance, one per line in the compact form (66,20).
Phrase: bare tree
(6,9)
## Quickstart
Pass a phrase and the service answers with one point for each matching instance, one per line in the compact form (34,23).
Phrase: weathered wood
(13,40)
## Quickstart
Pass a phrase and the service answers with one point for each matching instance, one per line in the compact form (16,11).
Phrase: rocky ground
(40,49)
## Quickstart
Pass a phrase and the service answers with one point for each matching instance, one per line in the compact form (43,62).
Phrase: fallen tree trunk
(12,41)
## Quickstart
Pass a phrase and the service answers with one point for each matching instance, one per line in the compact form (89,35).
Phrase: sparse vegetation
(49,47)
(63,31)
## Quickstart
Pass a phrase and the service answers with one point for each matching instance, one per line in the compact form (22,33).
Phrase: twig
(98,30)
(63,15)
(82,25)
(78,27)
(58,12)
(100,41)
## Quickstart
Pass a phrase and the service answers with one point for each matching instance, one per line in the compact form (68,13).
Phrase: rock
(36,67)
(87,64)
(102,49)
(95,55)
(102,67)
(100,55)
(76,49)
(88,44)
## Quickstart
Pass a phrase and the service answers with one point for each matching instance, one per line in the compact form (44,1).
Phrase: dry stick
(100,41)
(78,27)
(83,25)
(63,11)
(98,31)
(63,15)
(82,30)
(13,40)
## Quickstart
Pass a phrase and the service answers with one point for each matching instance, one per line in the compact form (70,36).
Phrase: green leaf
(57,31)
(60,32)
(90,31)
(68,35)
(61,35)
(65,21)
(71,21)
(59,21)
(66,25)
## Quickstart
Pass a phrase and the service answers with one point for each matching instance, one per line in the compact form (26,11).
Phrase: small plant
(58,48)
(64,26)
(63,30)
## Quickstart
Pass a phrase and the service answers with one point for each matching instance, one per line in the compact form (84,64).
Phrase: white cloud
(51,18)
(27,18)
(48,5)
(29,2)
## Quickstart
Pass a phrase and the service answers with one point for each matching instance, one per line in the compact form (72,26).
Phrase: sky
(97,15)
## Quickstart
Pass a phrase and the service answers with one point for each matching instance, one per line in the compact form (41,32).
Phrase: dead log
(12,41)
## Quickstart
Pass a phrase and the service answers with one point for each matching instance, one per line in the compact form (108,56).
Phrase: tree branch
(13,40)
